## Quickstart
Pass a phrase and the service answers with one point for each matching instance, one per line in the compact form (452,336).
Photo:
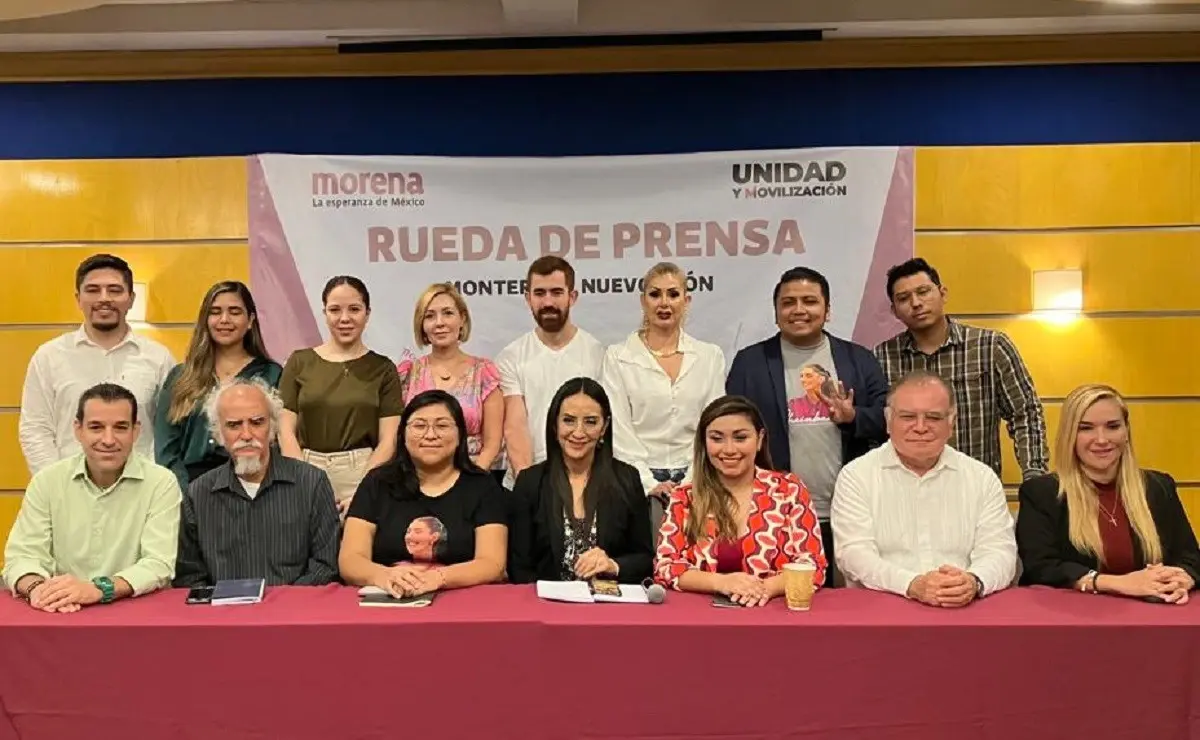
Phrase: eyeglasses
(441,428)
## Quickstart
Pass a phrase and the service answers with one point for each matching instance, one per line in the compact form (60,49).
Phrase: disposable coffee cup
(798,585)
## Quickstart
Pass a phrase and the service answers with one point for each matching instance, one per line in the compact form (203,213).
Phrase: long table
(493,663)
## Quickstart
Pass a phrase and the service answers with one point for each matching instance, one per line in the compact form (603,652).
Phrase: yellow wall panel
(1164,435)
(10,504)
(948,179)
(1168,268)
(1038,187)
(122,199)
(1190,496)
(14,475)
(43,279)
(18,345)
(1145,356)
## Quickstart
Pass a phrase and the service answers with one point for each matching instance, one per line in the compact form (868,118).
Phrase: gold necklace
(1111,516)
(661,354)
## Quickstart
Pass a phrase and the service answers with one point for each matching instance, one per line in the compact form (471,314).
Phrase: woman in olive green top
(341,401)
(226,343)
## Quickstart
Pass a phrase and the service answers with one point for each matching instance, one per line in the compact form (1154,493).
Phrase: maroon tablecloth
(494,663)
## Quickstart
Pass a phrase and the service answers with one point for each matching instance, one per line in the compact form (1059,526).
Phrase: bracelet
(1095,577)
(1089,577)
(28,595)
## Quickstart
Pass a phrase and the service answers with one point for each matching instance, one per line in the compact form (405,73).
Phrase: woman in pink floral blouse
(442,322)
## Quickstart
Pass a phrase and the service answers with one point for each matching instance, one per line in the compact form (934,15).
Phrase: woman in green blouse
(341,401)
(226,343)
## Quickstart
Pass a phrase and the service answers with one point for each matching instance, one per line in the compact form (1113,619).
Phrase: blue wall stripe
(603,114)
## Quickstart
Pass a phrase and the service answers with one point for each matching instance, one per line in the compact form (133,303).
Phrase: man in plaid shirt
(989,379)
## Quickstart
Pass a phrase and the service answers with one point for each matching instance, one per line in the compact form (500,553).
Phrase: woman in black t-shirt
(429,520)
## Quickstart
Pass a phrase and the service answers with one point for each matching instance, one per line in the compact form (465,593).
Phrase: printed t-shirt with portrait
(814,440)
(437,530)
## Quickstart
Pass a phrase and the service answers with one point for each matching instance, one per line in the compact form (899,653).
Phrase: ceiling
(79,25)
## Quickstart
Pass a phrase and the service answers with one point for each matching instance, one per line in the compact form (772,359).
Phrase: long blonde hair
(198,376)
(710,497)
(1080,492)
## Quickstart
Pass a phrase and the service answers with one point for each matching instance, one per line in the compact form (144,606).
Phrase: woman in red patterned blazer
(733,528)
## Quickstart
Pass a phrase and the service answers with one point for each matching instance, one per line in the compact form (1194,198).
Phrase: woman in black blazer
(580,514)
(1100,523)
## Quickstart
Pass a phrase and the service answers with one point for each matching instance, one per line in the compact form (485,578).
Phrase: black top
(536,540)
(426,529)
(288,534)
(1047,555)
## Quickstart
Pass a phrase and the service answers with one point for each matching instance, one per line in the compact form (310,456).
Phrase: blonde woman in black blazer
(580,514)
(1100,523)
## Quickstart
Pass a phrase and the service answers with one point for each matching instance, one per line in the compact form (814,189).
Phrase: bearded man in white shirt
(536,364)
(103,350)
(918,518)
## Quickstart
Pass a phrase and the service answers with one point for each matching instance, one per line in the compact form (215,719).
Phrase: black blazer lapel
(774,356)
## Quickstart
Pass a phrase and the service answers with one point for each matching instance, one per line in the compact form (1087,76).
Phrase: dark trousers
(833,577)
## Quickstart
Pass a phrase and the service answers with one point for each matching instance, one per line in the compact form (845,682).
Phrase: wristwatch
(108,591)
(978,586)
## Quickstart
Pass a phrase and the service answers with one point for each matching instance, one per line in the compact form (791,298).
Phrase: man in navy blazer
(821,397)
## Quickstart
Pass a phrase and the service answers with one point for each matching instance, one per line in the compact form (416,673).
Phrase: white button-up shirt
(63,368)
(891,525)
(654,420)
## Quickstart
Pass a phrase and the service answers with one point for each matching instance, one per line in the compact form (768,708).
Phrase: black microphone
(655,593)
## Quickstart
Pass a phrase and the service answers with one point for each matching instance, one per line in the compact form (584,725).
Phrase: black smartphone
(722,600)
(1155,599)
(200,595)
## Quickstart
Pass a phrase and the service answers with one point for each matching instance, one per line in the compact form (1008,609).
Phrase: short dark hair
(108,393)
(548,265)
(353,282)
(103,262)
(914,266)
(801,273)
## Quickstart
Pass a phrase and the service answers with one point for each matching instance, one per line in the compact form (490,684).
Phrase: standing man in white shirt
(918,518)
(103,350)
(535,365)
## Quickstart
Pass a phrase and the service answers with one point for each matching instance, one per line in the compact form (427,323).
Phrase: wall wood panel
(1042,187)
(42,279)
(123,200)
(1141,270)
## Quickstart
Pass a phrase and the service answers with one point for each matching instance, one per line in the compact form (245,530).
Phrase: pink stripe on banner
(893,245)
(284,313)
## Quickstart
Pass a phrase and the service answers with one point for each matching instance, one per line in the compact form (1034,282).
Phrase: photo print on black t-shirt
(426,540)
(810,407)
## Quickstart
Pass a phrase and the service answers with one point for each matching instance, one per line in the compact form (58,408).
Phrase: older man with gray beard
(261,515)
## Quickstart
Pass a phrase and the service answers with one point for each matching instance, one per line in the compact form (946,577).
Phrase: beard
(551,320)
(243,466)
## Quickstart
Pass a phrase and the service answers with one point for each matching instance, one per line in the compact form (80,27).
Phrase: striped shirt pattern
(990,382)
(288,534)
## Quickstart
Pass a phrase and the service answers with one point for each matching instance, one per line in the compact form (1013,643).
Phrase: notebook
(580,592)
(238,591)
(375,596)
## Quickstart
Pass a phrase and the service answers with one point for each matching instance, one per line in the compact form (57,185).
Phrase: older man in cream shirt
(918,518)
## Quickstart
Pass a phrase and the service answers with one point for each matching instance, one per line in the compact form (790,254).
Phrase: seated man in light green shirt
(98,526)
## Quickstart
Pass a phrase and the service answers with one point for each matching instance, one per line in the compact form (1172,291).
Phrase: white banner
(734,221)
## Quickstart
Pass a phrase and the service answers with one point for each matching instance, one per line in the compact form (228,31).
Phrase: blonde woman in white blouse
(659,380)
